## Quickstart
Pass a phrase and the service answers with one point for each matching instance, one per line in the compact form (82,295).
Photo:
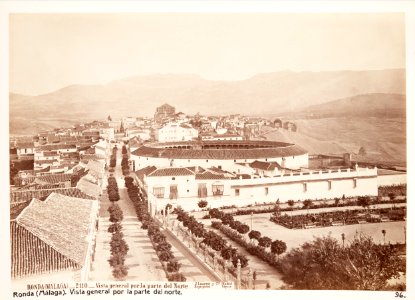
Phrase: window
(158,192)
(173,178)
(202,190)
(266,191)
(236,192)
(304,187)
(329,184)
(354,183)
(207,160)
(217,189)
(173,192)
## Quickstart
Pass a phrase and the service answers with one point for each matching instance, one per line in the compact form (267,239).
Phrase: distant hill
(378,105)
(271,93)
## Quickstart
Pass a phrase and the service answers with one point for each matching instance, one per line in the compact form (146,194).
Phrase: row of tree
(113,158)
(236,233)
(364,201)
(211,239)
(124,162)
(227,219)
(392,190)
(345,217)
(158,239)
(112,189)
(119,247)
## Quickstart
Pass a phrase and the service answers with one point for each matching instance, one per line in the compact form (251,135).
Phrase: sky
(51,51)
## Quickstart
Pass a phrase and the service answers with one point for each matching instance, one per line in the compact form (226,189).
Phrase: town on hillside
(197,198)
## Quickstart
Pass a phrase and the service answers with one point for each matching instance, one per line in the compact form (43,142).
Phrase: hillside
(278,92)
(379,105)
(384,139)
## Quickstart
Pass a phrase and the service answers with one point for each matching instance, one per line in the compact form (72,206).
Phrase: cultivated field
(296,237)
(383,138)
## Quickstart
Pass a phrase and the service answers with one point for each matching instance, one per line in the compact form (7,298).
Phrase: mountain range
(269,93)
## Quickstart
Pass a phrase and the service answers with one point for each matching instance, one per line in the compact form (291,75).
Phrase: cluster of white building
(241,173)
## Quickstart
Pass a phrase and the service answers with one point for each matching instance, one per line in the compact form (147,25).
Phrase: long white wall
(241,192)
(291,162)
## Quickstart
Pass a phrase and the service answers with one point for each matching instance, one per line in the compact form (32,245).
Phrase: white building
(240,173)
(173,132)
(185,187)
(107,133)
(226,155)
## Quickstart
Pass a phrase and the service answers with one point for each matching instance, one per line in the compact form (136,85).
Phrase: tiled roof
(50,147)
(217,170)
(186,126)
(96,168)
(29,263)
(196,169)
(144,171)
(92,156)
(88,187)
(23,145)
(54,178)
(27,195)
(171,172)
(210,176)
(237,150)
(265,165)
(50,153)
(61,222)
(45,161)
(45,169)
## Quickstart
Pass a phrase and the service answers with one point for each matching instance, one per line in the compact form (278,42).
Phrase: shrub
(228,253)
(216,224)
(215,213)
(264,242)
(173,266)
(165,255)
(226,219)
(178,277)
(115,227)
(243,229)
(120,272)
(116,259)
(202,203)
(242,258)
(116,216)
(254,234)
(163,246)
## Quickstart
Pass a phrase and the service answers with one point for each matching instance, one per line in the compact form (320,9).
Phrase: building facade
(173,132)
(164,111)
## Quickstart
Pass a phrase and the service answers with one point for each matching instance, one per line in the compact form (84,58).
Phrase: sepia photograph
(162,152)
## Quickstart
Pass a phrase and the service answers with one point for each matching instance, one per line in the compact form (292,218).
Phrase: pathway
(265,273)
(141,259)
(191,268)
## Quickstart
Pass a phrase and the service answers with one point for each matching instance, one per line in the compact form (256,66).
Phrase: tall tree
(324,264)
(278,247)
